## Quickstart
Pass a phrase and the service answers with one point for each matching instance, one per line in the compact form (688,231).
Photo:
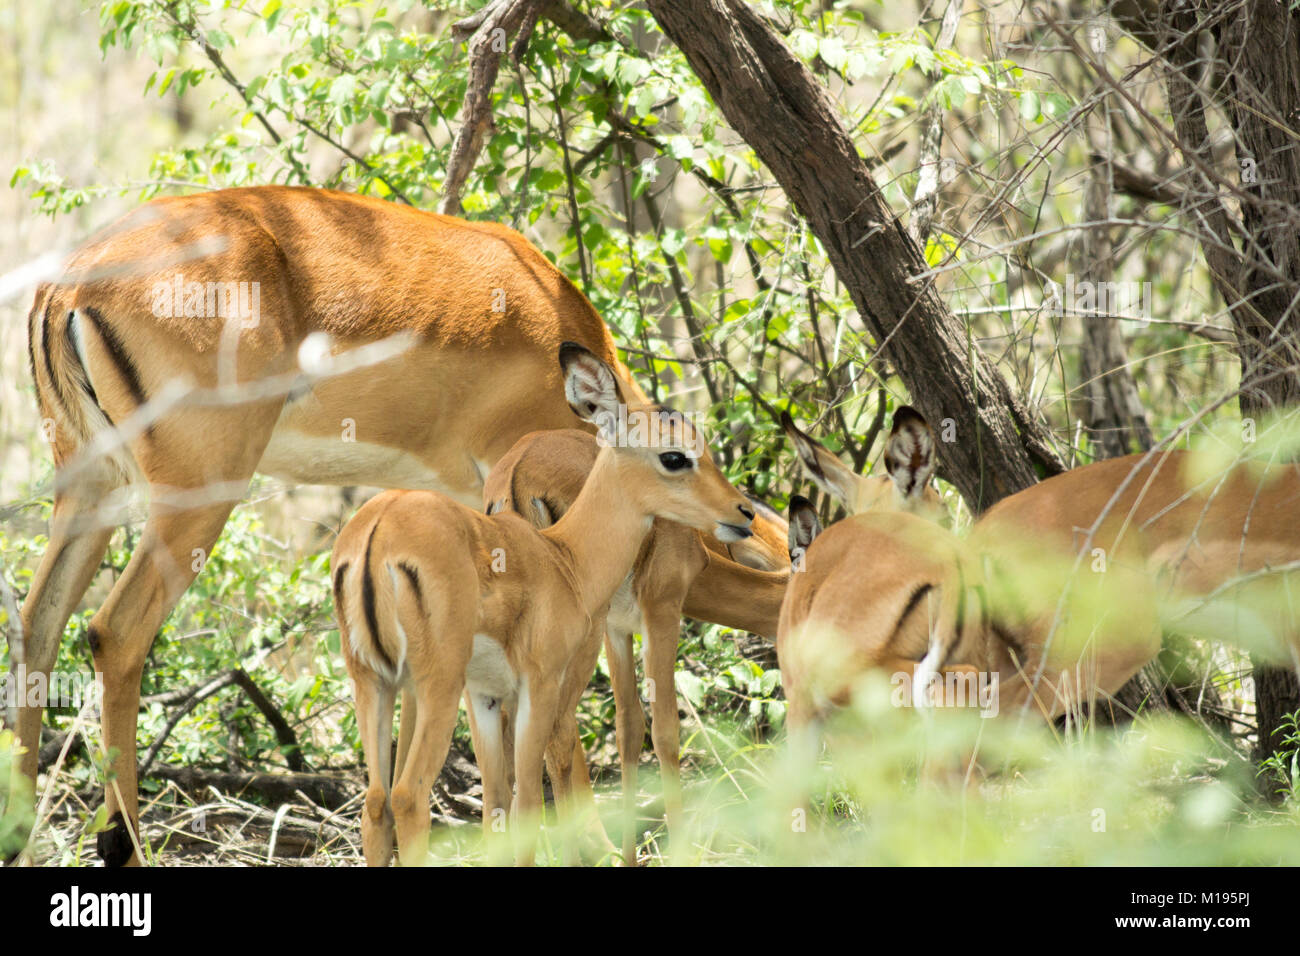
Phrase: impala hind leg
(165,561)
(405,727)
(79,536)
(534,723)
(486,727)
(595,844)
(559,768)
(435,720)
(374,707)
(629,728)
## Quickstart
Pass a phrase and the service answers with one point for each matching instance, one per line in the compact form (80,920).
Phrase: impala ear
(909,453)
(590,385)
(827,472)
(804,527)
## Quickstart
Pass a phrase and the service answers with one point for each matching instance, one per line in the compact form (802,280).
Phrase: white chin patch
(727,534)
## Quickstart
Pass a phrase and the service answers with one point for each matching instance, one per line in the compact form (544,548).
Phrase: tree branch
(489,31)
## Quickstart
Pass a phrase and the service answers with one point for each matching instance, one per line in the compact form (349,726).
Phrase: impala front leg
(662,624)
(629,728)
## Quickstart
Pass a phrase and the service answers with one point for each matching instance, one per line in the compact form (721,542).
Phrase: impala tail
(58,338)
(370,594)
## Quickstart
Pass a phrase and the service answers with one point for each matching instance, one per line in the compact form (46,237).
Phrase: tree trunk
(1258,59)
(1113,414)
(991,445)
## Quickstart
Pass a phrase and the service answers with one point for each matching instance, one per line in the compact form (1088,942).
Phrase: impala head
(665,462)
(909,460)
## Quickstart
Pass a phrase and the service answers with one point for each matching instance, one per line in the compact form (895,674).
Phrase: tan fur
(346,269)
(540,613)
(1161,536)
(843,613)
(678,571)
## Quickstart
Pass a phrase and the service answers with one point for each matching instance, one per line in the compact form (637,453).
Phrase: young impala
(234,297)
(540,478)
(837,621)
(1059,591)
(437,597)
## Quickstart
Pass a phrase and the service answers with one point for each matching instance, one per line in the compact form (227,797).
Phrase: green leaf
(166,81)
(378,95)
(680,147)
(690,687)
(99,822)
(277,91)
(1057,106)
(721,249)
(832,52)
(804,44)
(1030,106)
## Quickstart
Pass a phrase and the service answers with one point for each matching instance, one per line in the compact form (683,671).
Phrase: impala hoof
(114,844)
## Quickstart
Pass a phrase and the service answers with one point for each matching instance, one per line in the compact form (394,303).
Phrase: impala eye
(674,461)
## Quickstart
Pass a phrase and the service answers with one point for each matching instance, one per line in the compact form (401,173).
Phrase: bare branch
(926,198)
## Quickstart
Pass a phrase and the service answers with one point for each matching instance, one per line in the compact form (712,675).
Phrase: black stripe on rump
(921,591)
(339,572)
(413,576)
(55,391)
(126,368)
(368,600)
(31,339)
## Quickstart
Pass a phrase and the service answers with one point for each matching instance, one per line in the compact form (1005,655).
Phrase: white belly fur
(488,673)
(293,456)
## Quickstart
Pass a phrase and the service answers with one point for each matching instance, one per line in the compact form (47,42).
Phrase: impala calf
(435,597)
(677,571)
(867,596)
(838,620)
(1142,535)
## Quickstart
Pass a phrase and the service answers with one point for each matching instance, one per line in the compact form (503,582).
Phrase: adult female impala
(484,310)
(438,597)
(540,478)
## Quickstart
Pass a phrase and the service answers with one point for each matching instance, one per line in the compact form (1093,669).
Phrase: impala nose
(747,512)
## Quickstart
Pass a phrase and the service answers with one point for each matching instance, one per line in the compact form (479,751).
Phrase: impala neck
(602,533)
